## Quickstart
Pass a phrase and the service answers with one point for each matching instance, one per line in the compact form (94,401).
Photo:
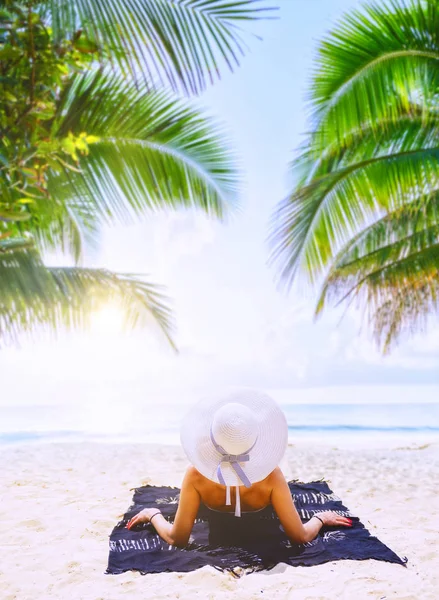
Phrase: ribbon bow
(233,460)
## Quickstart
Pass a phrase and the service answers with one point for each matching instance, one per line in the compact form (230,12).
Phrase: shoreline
(61,500)
(354,441)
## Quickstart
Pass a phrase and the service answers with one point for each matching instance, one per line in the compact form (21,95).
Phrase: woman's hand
(178,532)
(332,519)
(144,516)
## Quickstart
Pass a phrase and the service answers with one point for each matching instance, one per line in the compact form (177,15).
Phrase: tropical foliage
(89,135)
(363,220)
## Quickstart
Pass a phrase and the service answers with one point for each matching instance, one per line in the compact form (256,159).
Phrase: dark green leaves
(364,213)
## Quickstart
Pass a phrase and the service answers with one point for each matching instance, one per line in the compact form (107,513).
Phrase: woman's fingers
(141,517)
(332,519)
(339,519)
(344,521)
(132,522)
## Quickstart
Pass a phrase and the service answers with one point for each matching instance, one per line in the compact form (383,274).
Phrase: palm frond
(413,130)
(58,226)
(319,218)
(399,295)
(405,311)
(365,212)
(36,299)
(393,257)
(185,43)
(375,64)
(153,151)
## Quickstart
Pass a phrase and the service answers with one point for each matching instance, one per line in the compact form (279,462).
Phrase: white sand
(59,503)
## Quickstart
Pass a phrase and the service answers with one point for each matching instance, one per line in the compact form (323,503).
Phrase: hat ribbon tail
(233,460)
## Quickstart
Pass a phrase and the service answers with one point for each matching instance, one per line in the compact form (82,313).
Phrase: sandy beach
(59,503)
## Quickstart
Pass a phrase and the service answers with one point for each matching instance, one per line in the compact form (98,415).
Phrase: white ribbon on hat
(233,460)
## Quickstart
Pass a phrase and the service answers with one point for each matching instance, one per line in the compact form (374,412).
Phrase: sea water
(158,422)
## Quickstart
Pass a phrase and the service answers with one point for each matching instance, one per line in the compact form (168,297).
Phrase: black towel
(254,541)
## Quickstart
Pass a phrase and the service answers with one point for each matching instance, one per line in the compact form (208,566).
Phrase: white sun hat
(235,440)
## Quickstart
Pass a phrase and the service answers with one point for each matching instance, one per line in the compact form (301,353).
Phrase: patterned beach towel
(255,541)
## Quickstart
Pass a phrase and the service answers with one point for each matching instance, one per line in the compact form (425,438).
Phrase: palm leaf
(314,222)
(406,310)
(57,226)
(399,295)
(184,43)
(412,130)
(375,64)
(364,214)
(35,298)
(153,152)
(393,257)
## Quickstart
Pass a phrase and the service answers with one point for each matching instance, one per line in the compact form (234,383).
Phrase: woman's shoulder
(194,476)
(273,478)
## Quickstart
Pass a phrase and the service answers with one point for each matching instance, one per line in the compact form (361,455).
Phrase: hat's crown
(234,428)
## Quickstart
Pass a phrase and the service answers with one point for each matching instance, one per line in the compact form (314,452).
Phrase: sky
(235,326)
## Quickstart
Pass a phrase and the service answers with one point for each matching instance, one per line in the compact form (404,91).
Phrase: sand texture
(59,503)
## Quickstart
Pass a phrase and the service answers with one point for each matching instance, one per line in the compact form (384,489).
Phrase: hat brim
(265,455)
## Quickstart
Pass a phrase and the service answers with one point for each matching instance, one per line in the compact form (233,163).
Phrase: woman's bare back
(213,494)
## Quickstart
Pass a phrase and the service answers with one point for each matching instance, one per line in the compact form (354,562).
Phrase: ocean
(331,423)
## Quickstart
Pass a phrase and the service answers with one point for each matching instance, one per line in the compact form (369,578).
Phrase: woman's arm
(178,532)
(289,517)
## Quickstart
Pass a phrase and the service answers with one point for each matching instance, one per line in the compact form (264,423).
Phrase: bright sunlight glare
(108,320)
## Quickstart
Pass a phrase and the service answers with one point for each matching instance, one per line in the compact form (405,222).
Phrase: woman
(235,445)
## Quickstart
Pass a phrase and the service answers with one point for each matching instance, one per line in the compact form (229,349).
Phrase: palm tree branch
(322,190)
(373,64)
(365,38)
(190,163)
(179,42)
(414,128)
(33,296)
(144,137)
(405,224)
(375,277)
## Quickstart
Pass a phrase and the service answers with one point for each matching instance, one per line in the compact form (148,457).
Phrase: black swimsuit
(252,526)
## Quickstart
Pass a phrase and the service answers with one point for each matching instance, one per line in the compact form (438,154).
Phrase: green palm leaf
(35,298)
(375,64)
(407,309)
(391,269)
(106,144)
(364,215)
(399,288)
(312,224)
(413,130)
(62,226)
(153,151)
(182,42)
(406,232)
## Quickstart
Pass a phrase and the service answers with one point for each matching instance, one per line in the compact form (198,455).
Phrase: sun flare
(108,320)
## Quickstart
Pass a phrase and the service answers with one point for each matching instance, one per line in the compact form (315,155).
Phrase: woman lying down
(235,445)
